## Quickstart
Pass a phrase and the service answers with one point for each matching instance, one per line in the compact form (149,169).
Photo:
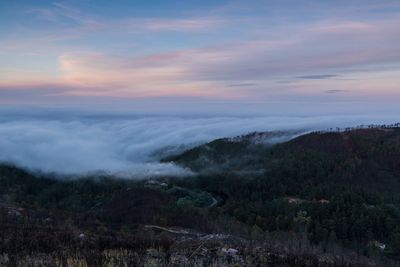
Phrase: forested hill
(319,199)
(368,158)
(347,183)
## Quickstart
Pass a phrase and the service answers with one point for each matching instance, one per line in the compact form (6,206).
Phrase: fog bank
(131,146)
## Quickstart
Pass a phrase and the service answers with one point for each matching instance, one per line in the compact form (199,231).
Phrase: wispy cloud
(242,84)
(318,76)
(210,54)
(85,23)
(336,91)
(196,71)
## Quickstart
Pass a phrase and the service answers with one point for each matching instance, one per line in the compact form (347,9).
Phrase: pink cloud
(273,55)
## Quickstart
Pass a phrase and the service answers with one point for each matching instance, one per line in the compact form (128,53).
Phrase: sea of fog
(131,146)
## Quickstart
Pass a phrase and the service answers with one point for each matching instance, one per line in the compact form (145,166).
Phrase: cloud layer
(131,146)
(247,50)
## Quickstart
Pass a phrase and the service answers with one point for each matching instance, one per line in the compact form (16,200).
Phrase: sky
(253,56)
(89,86)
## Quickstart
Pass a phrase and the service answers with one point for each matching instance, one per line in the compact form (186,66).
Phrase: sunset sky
(201,55)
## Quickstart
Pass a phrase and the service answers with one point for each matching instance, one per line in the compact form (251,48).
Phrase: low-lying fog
(131,146)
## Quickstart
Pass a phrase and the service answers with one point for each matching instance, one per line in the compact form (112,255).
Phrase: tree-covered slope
(343,185)
(325,192)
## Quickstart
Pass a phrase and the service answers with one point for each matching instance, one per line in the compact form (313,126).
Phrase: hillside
(345,185)
(320,199)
